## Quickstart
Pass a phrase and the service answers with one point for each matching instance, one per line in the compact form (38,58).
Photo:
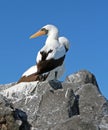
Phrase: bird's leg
(43,77)
(55,83)
(56,75)
(46,75)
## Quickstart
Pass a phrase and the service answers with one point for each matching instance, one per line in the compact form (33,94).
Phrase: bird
(29,74)
(52,54)
(50,57)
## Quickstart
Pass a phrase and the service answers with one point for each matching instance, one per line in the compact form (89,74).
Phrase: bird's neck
(53,35)
(51,38)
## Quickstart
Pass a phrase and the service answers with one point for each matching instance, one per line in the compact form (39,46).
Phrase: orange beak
(37,34)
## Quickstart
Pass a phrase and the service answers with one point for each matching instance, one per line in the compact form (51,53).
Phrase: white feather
(52,43)
(30,71)
(56,53)
(61,69)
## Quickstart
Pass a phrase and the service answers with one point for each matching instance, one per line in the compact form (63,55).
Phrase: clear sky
(83,22)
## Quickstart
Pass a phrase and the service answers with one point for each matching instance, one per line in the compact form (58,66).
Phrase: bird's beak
(39,33)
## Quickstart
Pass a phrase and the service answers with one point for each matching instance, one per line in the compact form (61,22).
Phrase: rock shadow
(22,116)
(73,104)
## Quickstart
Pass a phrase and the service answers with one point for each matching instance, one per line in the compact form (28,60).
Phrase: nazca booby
(29,75)
(51,56)
(53,53)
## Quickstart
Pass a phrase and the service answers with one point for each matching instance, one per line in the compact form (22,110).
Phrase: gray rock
(82,77)
(5,86)
(7,121)
(75,123)
(75,104)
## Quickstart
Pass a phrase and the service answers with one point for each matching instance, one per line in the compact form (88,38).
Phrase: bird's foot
(55,84)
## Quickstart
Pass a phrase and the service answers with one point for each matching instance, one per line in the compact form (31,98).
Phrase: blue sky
(84,23)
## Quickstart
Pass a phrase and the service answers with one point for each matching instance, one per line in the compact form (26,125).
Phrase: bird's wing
(48,65)
(49,58)
(56,53)
(49,52)
(30,71)
(60,70)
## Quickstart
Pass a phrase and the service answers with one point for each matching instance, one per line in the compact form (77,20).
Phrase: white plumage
(52,43)
(50,59)
(60,70)
(30,71)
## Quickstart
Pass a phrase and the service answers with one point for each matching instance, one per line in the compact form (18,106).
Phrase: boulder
(74,104)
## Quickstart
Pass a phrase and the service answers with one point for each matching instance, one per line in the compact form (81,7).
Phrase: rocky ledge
(75,104)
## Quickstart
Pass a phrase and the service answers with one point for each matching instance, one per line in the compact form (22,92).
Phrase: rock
(7,121)
(5,86)
(75,123)
(75,104)
(82,77)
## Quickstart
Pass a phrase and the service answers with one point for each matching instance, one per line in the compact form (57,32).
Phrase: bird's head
(46,30)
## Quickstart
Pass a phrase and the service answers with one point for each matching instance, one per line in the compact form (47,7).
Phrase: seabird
(29,75)
(51,56)
(53,53)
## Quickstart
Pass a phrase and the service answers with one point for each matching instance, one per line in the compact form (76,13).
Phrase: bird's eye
(43,29)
